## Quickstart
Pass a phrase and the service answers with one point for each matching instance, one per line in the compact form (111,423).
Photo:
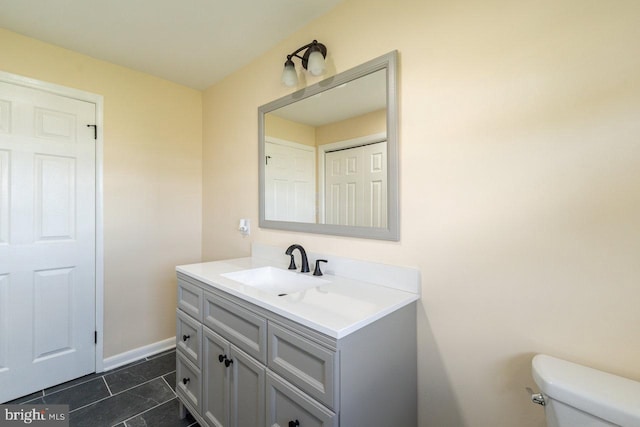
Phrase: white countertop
(337,308)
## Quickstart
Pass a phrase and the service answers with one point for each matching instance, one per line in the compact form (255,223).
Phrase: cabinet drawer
(286,404)
(188,381)
(243,328)
(189,337)
(190,299)
(304,363)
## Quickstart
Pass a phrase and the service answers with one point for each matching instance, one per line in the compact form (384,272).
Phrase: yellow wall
(152,183)
(355,127)
(520,185)
(277,127)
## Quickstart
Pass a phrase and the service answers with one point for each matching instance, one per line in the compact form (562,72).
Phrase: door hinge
(95,337)
(95,131)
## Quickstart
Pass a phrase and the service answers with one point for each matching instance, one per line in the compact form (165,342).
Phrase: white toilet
(577,396)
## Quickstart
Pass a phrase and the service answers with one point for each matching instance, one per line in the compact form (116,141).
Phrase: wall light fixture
(312,60)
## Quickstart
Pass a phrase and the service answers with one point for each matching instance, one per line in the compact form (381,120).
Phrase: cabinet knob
(185,337)
(225,359)
(294,423)
(185,380)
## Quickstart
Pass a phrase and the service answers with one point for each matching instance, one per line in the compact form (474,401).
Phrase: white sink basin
(275,281)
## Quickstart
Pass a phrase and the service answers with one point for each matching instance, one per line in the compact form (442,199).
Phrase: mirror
(328,155)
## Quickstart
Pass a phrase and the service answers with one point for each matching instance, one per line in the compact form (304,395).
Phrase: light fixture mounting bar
(311,47)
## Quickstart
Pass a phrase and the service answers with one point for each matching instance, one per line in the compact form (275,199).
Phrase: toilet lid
(610,397)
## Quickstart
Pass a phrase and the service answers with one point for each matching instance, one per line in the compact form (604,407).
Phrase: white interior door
(290,182)
(356,186)
(47,239)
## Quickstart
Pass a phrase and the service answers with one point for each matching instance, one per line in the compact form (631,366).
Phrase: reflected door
(290,182)
(47,240)
(356,186)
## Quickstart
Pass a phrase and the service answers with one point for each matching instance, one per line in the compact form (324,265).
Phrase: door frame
(98,100)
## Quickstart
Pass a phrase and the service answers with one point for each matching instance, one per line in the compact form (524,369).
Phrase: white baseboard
(138,353)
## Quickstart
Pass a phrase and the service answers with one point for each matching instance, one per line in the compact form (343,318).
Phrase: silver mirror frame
(392,232)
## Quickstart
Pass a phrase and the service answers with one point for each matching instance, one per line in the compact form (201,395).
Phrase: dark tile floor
(136,395)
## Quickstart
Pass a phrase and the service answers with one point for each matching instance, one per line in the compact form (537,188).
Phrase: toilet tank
(576,395)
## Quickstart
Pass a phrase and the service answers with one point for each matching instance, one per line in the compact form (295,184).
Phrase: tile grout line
(97,375)
(102,375)
(72,385)
(143,412)
(112,395)
(107,385)
(167,383)
(140,413)
(175,396)
(30,400)
(126,423)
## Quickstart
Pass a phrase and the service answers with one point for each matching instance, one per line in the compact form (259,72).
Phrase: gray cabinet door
(247,390)
(304,363)
(241,327)
(215,399)
(286,404)
(190,299)
(189,337)
(188,381)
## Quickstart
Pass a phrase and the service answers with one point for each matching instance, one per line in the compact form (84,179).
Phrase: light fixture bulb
(316,64)
(312,57)
(289,74)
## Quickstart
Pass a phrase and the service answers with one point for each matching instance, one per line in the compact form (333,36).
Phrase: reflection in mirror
(328,155)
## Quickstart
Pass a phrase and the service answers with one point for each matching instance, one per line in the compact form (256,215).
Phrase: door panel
(247,391)
(4,197)
(57,125)
(55,199)
(52,312)
(216,384)
(356,186)
(286,404)
(290,187)
(375,181)
(4,311)
(47,239)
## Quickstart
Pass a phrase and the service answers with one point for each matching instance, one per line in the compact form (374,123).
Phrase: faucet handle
(292,264)
(316,271)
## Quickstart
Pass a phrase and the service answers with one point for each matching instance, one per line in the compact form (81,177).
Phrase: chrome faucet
(303,255)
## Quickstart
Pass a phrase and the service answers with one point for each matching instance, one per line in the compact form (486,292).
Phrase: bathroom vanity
(336,352)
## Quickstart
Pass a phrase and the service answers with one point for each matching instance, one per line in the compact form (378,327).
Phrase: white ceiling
(192,42)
